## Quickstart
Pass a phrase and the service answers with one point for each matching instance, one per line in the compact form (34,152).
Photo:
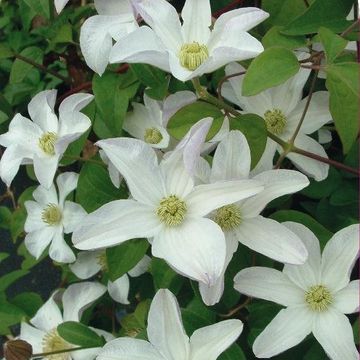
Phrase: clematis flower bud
(17,350)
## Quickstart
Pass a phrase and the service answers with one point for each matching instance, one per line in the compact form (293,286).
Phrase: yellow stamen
(171,210)
(275,121)
(52,342)
(228,217)
(193,55)
(47,143)
(152,136)
(51,215)
(318,298)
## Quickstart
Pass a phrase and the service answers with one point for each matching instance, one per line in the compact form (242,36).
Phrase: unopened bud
(17,350)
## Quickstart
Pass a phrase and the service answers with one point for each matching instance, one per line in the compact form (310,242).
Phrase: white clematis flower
(116,19)
(89,263)
(316,295)
(44,140)
(165,207)
(194,47)
(148,122)
(282,107)
(43,335)
(241,221)
(50,216)
(167,337)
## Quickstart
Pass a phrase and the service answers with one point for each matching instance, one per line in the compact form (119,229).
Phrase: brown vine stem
(224,79)
(350,28)
(80,158)
(301,121)
(43,68)
(45,354)
(236,309)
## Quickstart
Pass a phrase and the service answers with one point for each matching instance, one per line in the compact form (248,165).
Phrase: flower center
(275,121)
(228,217)
(171,210)
(318,298)
(51,215)
(102,261)
(152,136)
(51,342)
(47,143)
(193,55)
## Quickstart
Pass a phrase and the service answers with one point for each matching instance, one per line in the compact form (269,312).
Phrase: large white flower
(49,216)
(194,47)
(282,108)
(316,294)
(116,19)
(89,263)
(43,335)
(241,221)
(43,141)
(165,207)
(167,337)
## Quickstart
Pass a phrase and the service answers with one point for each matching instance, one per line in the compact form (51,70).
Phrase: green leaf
(155,79)
(234,352)
(164,277)
(3,256)
(10,278)
(343,85)
(9,315)
(95,187)
(296,216)
(346,194)
(40,7)
(271,68)
(5,217)
(5,51)
(122,258)
(30,302)
(333,44)
(327,13)
(181,122)
(254,129)
(21,69)
(274,37)
(79,334)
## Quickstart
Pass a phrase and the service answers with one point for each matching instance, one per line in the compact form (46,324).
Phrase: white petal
(196,15)
(141,267)
(272,239)
(165,328)
(48,316)
(210,341)
(59,250)
(232,158)
(66,182)
(41,110)
(196,248)
(115,223)
(138,163)
(129,349)
(33,220)
(46,196)
(268,284)
(277,183)
(113,7)
(289,327)
(202,172)
(248,17)
(317,115)
(37,241)
(316,169)
(10,162)
(33,336)
(73,214)
(96,37)
(163,19)
(347,299)
(119,289)
(86,264)
(75,103)
(339,257)
(60,4)
(78,297)
(211,295)
(141,46)
(205,198)
(45,169)
(266,161)
(334,333)
(324,136)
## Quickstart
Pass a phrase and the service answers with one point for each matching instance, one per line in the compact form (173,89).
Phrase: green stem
(51,10)
(40,355)
(42,68)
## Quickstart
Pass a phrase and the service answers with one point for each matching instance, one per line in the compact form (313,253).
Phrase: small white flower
(316,294)
(89,263)
(43,335)
(166,206)
(282,107)
(241,221)
(167,337)
(194,47)
(50,216)
(44,140)
(116,19)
